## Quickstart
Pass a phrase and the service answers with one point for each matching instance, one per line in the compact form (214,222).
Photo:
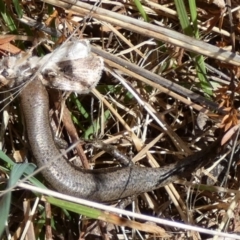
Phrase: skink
(102,185)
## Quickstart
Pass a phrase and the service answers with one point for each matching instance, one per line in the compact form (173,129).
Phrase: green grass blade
(95,127)
(28,170)
(141,10)
(6,159)
(183,17)
(77,103)
(193,13)
(16,173)
(5,207)
(74,207)
(18,8)
(7,17)
(192,30)
(18,170)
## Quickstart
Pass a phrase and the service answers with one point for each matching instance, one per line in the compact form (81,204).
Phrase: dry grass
(151,103)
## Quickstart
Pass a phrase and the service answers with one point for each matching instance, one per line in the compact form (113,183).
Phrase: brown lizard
(99,185)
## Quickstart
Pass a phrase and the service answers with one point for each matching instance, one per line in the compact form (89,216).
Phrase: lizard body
(98,185)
